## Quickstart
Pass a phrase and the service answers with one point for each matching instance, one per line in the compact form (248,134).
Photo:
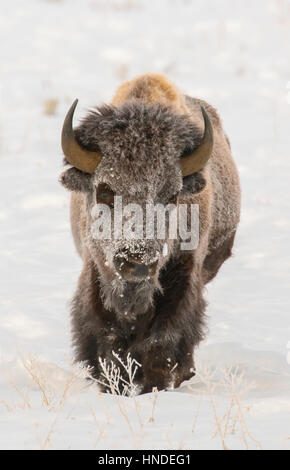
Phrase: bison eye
(105,195)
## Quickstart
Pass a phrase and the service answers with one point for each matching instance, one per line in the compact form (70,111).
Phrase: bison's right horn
(76,155)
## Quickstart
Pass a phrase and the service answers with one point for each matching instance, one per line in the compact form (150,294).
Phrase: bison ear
(193,184)
(76,180)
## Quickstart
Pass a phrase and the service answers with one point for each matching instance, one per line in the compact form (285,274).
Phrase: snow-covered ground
(233,53)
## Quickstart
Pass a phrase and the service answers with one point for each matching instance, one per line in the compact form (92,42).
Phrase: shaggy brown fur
(150,88)
(149,126)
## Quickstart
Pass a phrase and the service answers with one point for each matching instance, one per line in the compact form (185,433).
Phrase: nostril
(152,268)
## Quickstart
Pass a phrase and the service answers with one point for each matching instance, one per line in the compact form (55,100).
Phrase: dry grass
(224,390)
(50,105)
(119,379)
(231,422)
(122,72)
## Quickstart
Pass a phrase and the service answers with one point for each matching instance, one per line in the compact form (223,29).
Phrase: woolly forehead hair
(138,131)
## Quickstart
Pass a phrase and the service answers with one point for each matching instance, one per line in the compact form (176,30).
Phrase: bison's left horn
(76,155)
(199,157)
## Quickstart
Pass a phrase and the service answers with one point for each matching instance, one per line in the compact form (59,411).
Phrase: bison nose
(135,268)
(140,269)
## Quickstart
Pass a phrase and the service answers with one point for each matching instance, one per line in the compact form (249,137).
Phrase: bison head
(143,153)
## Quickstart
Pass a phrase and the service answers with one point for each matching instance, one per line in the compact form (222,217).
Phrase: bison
(145,297)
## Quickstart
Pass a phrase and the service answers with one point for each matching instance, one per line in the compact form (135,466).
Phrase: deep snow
(235,54)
